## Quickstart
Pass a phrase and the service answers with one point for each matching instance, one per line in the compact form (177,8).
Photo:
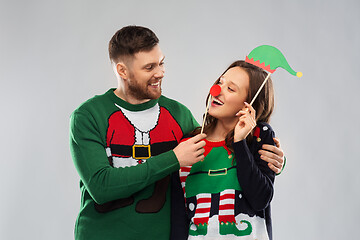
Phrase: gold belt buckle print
(145,150)
(217,172)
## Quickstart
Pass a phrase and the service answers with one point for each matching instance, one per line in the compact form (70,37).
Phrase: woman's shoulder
(264,133)
(263,126)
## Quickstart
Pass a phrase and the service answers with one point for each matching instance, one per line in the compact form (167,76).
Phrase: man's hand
(190,151)
(273,155)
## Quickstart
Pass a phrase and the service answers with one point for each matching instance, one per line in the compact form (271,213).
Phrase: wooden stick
(207,108)
(257,93)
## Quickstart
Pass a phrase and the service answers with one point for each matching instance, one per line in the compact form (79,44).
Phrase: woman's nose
(222,88)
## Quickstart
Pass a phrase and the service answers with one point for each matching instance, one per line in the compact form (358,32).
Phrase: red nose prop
(215,90)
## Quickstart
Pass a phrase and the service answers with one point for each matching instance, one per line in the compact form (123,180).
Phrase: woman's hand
(245,124)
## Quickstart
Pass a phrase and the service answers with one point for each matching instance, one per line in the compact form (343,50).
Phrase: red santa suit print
(133,137)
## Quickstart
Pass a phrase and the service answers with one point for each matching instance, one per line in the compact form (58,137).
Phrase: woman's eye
(230,89)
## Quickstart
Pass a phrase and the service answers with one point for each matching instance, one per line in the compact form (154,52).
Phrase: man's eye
(149,67)
(162,63)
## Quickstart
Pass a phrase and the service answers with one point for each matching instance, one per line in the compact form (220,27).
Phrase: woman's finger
(251,109)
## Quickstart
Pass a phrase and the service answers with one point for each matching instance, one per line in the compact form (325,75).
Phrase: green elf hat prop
(268,58)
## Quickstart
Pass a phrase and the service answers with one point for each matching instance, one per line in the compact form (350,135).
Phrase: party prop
(268,58)
(214,91)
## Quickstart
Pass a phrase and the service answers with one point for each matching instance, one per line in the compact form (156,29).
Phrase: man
(124,145)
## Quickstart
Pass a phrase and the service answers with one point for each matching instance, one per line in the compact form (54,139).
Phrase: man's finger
(274,169)
(273,149)
(269,154)
(200,144)
(277,142)
(198,137)
(200,157)
(276,163)
(200,151)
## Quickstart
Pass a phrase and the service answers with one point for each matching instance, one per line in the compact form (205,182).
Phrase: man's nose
(160,72)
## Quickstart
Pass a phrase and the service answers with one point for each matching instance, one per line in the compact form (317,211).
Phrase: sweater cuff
(240,145)
(282,167)
(168,162)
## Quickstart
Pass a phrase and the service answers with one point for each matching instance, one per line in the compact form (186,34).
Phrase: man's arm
(106,183)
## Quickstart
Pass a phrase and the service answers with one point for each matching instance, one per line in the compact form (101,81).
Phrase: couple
(129,145)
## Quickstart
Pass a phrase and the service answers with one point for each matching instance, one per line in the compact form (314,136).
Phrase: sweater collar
(129,106)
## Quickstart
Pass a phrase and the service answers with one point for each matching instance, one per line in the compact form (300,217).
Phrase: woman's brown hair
(263,105)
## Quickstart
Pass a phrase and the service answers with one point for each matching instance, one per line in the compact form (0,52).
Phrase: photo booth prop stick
(268,58)
(214,91)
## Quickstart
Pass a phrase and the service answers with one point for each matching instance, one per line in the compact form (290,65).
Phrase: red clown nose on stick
(214,91)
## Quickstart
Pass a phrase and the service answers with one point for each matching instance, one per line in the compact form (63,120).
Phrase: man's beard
(142,93)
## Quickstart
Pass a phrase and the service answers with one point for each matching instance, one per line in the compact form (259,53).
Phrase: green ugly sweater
(123,154)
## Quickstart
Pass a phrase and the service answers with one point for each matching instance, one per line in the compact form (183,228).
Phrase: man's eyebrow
(153,63)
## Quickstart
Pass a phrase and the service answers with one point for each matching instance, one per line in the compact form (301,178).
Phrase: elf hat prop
(268,58)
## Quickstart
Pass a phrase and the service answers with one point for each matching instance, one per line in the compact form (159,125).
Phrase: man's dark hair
(130,40)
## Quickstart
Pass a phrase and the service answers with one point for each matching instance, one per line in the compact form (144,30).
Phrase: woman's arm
(255,177)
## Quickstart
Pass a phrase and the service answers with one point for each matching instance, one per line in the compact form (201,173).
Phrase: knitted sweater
(123,154)
(228,194)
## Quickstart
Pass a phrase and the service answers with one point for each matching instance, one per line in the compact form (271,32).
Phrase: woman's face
(234,90)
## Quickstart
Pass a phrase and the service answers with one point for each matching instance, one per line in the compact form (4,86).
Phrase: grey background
(53,56)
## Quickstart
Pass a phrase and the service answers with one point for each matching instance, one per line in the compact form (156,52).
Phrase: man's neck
(120,93)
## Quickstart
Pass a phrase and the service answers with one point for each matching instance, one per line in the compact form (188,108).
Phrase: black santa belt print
(142,151)
(217,172)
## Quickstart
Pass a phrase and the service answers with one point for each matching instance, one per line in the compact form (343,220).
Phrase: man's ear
(122,70)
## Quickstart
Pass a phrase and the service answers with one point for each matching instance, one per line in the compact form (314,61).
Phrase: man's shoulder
(93,103)
(171,103)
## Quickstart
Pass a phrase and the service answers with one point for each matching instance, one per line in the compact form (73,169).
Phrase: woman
(228,194)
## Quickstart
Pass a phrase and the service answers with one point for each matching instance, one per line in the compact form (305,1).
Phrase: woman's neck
(221,130)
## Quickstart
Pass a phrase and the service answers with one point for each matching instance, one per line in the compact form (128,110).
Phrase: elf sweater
(123,154)
(228,194)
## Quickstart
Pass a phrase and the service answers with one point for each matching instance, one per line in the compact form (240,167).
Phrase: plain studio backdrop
(53,56)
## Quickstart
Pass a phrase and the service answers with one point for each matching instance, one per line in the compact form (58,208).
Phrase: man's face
(146,71)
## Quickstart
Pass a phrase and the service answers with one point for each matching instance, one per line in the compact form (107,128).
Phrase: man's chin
(155,94)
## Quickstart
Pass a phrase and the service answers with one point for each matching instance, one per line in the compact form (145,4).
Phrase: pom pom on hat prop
(268,58)
(214,91)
